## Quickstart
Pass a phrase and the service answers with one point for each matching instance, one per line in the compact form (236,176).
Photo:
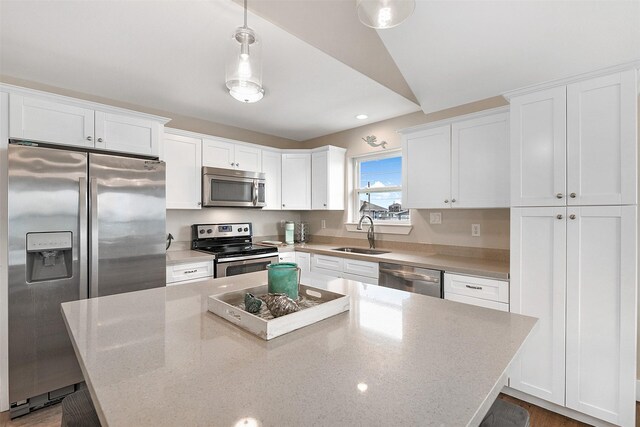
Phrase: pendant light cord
(245,13)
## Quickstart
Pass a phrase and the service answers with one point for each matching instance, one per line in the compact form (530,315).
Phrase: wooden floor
(51,416)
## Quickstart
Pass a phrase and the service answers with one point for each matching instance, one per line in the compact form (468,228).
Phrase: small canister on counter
(288,232)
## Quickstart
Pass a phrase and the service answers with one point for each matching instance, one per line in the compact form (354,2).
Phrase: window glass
(378,189)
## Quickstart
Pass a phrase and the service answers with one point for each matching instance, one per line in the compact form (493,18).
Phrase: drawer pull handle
(190,271)
(474,287)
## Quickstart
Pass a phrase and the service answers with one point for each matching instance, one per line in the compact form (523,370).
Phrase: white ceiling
(169,55)
(456,52)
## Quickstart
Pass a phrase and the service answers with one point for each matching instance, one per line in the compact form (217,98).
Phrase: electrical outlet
(282,221)
(475,230)
(435,218)
(323,224)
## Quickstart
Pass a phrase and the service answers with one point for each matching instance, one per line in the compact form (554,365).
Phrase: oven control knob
(239,230)
(209,231)
(246,229)
(201,231)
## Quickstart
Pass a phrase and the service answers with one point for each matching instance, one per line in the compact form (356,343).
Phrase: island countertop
(158,357)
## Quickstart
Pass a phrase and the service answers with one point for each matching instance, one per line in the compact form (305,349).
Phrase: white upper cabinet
(537,288)
(296,181)
(218,154)
(117,132)
(576,144)
(601,312)
(272,169)
(480,162)
(426,167)
(602,140)
(49,121)
(464,164)
(248,158)
(182,155)
(538,148)
(228,155)
(60,120)
(327,178)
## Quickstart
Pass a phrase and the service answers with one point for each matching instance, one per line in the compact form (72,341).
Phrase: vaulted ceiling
(321,66)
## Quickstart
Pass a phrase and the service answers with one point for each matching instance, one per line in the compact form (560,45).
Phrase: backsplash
(455,229)
(265,222)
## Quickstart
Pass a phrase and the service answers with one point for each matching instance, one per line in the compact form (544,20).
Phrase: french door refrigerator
(81,225)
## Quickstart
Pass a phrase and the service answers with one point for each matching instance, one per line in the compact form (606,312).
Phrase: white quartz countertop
(159,358)
(179,257)
(448,263)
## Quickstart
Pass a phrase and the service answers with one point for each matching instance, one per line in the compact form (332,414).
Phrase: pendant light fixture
(244,67)
(382,14)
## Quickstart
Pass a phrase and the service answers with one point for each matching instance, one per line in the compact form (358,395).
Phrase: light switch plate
(475,230)
(435,218)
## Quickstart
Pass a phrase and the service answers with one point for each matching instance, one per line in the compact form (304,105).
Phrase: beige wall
(265,223)
(177,121)
(455,229)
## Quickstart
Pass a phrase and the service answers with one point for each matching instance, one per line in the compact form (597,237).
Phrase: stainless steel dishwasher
(411,279)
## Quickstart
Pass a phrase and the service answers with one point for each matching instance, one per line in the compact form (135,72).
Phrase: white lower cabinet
(346,268)
(286,257)
(480,291)
(582,354)
(303,259)
(179,274)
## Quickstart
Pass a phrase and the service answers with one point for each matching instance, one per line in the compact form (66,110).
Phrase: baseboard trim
(556,408)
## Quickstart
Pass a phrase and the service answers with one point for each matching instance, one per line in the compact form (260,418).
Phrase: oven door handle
(246,257)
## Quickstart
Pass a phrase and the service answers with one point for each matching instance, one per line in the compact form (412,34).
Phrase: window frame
(354,215)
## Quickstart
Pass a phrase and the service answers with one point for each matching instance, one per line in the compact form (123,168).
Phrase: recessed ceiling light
(362,116)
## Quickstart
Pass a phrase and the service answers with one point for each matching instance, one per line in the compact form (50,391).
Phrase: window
(378,188)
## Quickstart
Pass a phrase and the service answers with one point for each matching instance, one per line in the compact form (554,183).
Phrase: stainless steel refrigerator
(81,225)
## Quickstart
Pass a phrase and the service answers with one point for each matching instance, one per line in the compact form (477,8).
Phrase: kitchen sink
(361,251)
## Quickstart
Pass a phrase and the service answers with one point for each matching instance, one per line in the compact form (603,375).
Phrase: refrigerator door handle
(93,192)
(83,259)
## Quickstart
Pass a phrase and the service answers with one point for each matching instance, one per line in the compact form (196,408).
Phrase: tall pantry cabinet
(574,243)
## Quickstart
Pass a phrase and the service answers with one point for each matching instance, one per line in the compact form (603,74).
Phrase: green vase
(284,278)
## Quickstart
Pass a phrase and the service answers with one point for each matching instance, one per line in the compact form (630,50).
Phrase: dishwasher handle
(410,276)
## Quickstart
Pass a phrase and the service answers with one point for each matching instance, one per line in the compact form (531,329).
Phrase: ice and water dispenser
(49,256)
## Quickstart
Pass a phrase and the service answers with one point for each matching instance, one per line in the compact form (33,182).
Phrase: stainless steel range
(233,247)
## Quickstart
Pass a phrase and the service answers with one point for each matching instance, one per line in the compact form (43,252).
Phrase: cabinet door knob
(99,139)
(324,204)
(237,164)
(199,203)
(231,163)
(572,216)
(572,195)
(453,200)
(559,216)
(283,205)
(89,138)
(559,195)
(446,200)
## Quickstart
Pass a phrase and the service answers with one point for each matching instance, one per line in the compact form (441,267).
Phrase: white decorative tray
(324,304)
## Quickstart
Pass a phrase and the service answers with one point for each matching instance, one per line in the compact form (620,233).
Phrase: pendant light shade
(244,64)
(381,14)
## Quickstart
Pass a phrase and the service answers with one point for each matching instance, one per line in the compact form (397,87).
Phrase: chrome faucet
(370,233)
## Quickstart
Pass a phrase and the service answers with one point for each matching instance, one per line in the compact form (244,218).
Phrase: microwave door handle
(255,192)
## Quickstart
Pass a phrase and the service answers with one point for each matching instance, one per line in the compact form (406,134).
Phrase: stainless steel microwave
(232,188)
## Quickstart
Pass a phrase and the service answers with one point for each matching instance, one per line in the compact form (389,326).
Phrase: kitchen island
(158,357)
